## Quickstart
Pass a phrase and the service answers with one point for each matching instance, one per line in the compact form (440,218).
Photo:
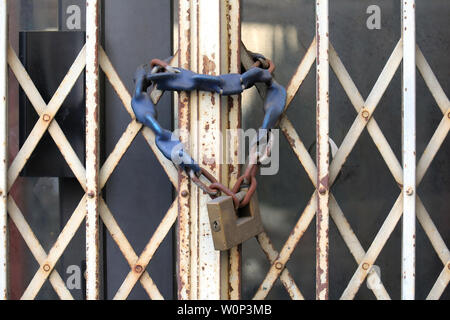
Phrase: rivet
(365,114)
(322,190)
(365,266)
(46,117)
(46,267)
(138,268)
(184,193)
(91,194)
(410,191)
(278,265)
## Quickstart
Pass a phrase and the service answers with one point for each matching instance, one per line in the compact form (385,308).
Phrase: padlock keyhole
(216,226)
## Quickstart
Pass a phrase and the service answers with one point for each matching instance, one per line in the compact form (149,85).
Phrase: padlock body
(230,227)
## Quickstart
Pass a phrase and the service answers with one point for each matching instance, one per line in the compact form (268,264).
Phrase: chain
(164,77)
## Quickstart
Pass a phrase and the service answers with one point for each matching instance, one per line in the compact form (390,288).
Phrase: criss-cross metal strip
(395,168)
(46,113)
(139,263)
(364,119)
(430,152)
(280,260)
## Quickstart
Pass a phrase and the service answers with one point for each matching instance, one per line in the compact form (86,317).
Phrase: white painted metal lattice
(201,270)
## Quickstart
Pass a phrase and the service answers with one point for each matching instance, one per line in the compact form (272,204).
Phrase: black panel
(47,57)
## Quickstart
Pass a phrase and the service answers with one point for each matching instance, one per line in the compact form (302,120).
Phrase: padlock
(231,227)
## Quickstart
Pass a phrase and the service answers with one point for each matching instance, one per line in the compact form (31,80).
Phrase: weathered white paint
(409,150)
(322,159)
(209,142)
(92,150)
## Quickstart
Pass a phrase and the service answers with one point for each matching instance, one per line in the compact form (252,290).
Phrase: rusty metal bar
(231,63)
(3,150)
(92,150)
(184,188)
(409,150)
(207,125)
(200,121)
(322,155)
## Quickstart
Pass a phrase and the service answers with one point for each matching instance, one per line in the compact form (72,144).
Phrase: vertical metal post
(184,188)
(200,112)
(3,150)
(231,63)
(322,154)
(92,150)
(208,127)
(409,149)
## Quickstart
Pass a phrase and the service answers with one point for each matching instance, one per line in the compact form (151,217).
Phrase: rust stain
(318,83)
(209,66)
(324,181)
(290,140)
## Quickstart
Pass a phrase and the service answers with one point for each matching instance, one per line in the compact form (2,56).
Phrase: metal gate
(210,43)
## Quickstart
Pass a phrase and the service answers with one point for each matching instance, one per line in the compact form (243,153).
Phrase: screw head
(138,268)
(46,267)
(46,117)
(278,265)
(410,191)
(365,114)
(365,266)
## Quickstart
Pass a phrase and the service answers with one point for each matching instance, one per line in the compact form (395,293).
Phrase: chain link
(165,77)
